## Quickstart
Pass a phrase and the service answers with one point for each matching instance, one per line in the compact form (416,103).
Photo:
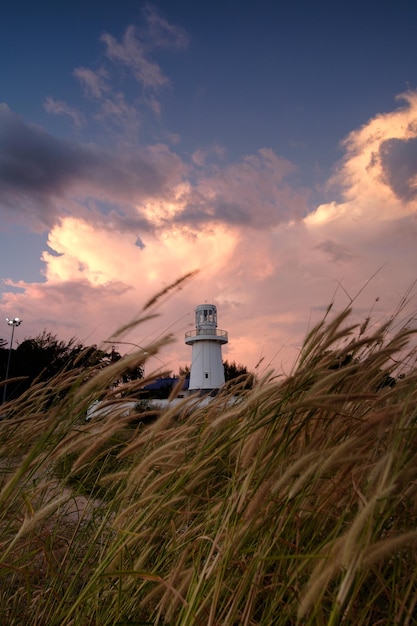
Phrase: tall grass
(290,503)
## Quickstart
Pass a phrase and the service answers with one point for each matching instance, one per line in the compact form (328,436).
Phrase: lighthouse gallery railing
(206,331)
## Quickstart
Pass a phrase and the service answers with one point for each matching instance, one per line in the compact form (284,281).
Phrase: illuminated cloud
(47,177)
(270,265)
(371,233)
(252,192)
(43,177)
(377,175)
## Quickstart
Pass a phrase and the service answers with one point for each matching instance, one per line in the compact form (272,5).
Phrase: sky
(271,146)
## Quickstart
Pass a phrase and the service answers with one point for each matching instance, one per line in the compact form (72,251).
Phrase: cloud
(47,177)
(94,83)
(375,173)
(240,223)
(338,253)
(271,265)
(113,105)
(131,53)
(43,177)
(118,111)
(134,52)
(62,108)
(399,164)
(370,234)
(160,33)
(69,308)
(135,47)
(105,278)
(252,192)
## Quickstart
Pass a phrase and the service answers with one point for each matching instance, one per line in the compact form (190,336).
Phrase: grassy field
(290,503)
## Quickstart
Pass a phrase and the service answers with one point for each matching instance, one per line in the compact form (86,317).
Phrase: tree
(236,373)
(232,371)
(39,359)
(42,357)
(130,374)
(185,372)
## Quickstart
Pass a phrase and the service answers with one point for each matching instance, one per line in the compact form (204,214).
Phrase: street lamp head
(14,322)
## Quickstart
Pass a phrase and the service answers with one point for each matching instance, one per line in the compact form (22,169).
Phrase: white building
(207,371)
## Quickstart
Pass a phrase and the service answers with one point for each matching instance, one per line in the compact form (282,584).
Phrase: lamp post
(13,323)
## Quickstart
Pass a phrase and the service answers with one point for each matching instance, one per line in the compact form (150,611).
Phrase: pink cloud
(43,177)
(271,268)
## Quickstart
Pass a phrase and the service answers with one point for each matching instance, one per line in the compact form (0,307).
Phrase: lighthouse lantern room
(207,371)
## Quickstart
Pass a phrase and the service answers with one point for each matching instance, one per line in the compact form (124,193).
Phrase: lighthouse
(207,371)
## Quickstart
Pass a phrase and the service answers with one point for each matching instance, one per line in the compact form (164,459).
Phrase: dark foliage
(238,374)
(231,370)
(40,358)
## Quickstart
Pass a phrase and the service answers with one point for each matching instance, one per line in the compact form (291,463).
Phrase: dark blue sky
(293,76)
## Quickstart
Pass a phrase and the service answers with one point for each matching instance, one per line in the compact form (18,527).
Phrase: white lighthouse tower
(207,371)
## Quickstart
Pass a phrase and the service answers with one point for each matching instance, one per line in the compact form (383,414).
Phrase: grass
(290,503)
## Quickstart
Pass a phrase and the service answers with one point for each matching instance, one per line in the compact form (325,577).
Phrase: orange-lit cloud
(271,266)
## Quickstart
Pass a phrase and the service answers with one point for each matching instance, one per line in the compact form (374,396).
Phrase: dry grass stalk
(293,503)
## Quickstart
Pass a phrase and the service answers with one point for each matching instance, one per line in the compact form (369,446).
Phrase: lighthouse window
(204,316)
(206,374)
(208,315)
